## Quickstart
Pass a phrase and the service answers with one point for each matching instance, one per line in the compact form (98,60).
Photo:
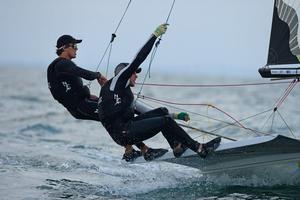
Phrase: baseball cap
(66,39)
(121,66)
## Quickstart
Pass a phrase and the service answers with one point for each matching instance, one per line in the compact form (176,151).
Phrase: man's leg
(181,136)
(158,112)
(153,113)
(145,127)
(86,110)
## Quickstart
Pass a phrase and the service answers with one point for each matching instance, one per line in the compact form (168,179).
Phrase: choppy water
(46,154)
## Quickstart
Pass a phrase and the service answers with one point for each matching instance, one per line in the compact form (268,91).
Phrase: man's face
(133,79)
(71,50)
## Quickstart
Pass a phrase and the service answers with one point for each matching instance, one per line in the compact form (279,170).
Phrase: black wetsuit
(116,111)
(65,84)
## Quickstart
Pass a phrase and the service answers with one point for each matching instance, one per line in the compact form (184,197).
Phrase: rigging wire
(198,129)
(212,85)
(227,124)
(206,132)
(109,46)
(194,104)
(108,59)
(267,120)
(155,50)
(278,103)
(287,92)
(212,132)
(286,124)
(272,124)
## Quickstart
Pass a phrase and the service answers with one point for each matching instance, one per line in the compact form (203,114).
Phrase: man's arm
(70,68)
(140,58)
(121,80)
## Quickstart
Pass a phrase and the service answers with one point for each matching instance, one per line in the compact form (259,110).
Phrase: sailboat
(275,153)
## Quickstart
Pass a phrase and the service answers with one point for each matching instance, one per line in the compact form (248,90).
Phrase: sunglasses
(74,46)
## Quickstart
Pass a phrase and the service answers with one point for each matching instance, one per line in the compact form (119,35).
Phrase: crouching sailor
(116,112)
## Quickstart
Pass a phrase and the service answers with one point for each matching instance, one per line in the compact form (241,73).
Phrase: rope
(108,60)
(286,124)
(171,9)
(206,132)
(212,132)
(153,53)
(212,85)
(200,130)
(218,120)
(271,115)
(278,103)
(193,104)
(109,46)
(286,93)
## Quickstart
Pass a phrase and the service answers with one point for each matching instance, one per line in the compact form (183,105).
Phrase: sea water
(47,154)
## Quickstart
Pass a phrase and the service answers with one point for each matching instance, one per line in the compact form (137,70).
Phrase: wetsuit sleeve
(140,57)
(69,67)
(121,80)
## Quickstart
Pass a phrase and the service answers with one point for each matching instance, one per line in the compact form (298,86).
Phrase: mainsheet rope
(109,46)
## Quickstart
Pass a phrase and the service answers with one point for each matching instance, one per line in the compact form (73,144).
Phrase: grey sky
(207,36)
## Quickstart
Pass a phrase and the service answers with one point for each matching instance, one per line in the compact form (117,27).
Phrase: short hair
(59,51)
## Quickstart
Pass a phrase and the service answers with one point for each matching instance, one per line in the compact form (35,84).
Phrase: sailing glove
(182,116)
(160,30)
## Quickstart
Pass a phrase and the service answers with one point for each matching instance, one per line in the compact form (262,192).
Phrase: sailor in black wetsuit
(65,81)
(65,84)
(117,109)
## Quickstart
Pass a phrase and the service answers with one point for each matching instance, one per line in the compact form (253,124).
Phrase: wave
(23,98)
(39,129)
(32,117)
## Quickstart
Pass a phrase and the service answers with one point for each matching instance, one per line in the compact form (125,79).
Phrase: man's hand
(160,30)
(101,80)
(182,116)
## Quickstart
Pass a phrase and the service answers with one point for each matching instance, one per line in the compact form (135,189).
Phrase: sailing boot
(179,149)
(131,156)
(154,153)
(208,147)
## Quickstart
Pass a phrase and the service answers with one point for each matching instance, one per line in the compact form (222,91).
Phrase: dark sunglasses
(74,46)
